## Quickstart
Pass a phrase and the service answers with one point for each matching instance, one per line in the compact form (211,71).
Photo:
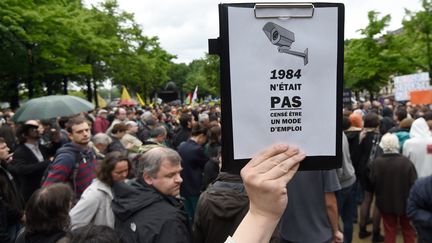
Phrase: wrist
(259,221)
(263,216)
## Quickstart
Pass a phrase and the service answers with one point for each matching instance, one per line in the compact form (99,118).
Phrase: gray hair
(389,143)
(157,131)
(151,161)
(202,117)
(147,115)
(101,138)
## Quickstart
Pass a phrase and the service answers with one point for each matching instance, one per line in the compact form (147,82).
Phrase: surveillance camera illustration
(283,38)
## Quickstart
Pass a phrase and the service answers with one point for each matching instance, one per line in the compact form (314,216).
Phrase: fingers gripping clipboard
(281,80)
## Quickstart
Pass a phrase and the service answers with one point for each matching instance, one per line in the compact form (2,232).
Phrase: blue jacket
(419,208)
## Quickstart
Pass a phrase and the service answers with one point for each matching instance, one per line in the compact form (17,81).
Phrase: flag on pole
(125,94)
(195,96)
(140,100)
(101,102)
(188,99)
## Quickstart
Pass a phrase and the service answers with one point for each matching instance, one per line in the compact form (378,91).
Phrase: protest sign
(282,74)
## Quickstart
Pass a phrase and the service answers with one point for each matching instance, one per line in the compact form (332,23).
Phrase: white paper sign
(283,81)
(407,83)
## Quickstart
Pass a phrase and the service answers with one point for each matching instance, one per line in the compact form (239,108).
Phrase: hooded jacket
(220,209)
(62,169)
(419,147)
(144,215)
(94,206)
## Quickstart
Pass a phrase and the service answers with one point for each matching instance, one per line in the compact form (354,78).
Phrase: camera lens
(275,35)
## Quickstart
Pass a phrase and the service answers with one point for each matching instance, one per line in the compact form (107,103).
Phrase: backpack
(78,157)
(375,152)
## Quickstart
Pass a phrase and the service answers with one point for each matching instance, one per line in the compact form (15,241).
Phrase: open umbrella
(51,106)
(130,102)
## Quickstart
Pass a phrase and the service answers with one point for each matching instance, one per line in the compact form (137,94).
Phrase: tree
(178,74)
(366,65)
(416,40)
(204,73)
(45,44)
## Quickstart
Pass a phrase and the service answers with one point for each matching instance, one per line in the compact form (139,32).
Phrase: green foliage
(78,94)
(416,40)
(372,60)
(178,73)
(365,64)
(204,73)
(46,44)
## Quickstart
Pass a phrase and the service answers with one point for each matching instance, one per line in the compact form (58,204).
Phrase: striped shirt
(63,166)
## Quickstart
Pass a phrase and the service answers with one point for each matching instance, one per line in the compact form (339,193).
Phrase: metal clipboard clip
(284,10)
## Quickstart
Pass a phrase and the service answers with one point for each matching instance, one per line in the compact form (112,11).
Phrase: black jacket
(116,145)
(220,209)
(193,162)
(180,136)
(353,137)
(28,170)
(144,215)
(11,204)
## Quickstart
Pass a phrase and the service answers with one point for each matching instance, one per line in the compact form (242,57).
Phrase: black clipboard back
(221,47)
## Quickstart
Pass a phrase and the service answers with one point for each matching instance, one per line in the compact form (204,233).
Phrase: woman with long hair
(46,215)
(95,203)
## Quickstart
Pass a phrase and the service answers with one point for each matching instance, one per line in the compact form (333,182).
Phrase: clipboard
(281,67)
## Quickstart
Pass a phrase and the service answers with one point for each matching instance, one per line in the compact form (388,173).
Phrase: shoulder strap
(21,236)
(78,158)
(374,149)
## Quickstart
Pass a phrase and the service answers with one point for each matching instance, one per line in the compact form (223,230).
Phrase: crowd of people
(152,174)
(389,147)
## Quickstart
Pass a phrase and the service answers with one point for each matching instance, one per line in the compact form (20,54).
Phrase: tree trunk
(95,93)
(357,95)
(65,85)
(14,95)
(30,72)
(89,90)
(49,87)
(371,95)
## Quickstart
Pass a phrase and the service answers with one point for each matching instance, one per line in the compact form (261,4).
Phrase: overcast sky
(184,26)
